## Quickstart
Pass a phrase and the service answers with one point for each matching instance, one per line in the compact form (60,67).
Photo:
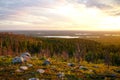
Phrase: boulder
(29,65)
(71,64)
(91,70)
(17,60)
(46,62)
(41,71)
(23,58)
(18,70)
(23,68)
(83,68)
(26,56)
(61,74)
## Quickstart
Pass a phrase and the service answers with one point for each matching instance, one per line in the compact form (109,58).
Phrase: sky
(60,15)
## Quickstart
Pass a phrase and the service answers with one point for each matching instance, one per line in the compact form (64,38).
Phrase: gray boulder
(26,56)
(71,64)
(41,71)
(61,74)
(19,70)
(46,62)
(23,58)
(33,79)
(83,68)
(17,60)
(29,65)
(23,68)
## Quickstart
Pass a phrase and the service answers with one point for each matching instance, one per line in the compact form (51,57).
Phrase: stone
(91,70)
(83,68)
(46,62)
(23,58)
(61,74)
(29,65)
(23,67)
(26,56)
(71,64)
(41,71)
(17,60)
(18,70)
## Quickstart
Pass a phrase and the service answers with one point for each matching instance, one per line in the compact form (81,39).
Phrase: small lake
(68,37)
(60,36)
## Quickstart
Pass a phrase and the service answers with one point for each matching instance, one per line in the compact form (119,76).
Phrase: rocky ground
(41,69)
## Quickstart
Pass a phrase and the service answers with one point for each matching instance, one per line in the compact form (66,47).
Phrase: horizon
(116,31)
(65,15)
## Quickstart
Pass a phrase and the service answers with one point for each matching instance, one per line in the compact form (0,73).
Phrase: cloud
(94,3)
(12,7)
(110,7)
(56,13)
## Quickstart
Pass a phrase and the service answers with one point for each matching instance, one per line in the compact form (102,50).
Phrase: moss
(8,70)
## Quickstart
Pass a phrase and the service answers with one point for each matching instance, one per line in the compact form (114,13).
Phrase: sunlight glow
(65,10)
(110,23)
(65,16)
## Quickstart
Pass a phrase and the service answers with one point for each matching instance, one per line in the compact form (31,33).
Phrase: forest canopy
(77,49)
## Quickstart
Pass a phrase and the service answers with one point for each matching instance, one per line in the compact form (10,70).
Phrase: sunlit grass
(8,70)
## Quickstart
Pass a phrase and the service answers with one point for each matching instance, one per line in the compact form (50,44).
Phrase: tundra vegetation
(55,58)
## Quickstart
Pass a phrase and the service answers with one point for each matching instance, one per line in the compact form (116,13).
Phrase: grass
(93,72)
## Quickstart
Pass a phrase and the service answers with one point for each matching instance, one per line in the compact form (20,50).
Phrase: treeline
(76,49)
(14,44)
